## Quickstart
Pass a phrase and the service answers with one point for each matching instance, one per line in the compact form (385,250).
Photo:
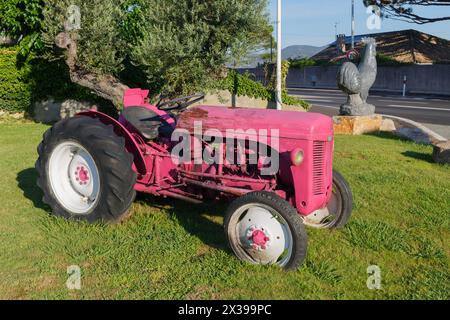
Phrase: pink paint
(307,186)
(83,174)
(290,124)
(259,238)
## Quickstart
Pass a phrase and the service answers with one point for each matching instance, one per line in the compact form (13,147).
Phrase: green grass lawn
(172,250)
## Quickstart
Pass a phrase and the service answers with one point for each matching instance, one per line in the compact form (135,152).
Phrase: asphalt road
(420,109)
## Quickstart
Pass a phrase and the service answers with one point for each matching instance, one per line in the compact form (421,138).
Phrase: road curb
(415,131)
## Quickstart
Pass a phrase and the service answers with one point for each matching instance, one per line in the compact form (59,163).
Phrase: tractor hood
(291,124)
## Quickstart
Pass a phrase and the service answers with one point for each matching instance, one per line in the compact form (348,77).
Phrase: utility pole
(279,87)
(336,30)
(271,49)
(353,24)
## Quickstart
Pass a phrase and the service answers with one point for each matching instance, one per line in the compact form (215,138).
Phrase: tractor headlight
(297,157)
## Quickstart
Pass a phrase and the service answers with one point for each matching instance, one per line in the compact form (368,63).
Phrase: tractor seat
(147,123)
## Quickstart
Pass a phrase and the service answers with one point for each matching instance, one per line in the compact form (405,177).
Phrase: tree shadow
(419,156)
(192,217)
(27,182)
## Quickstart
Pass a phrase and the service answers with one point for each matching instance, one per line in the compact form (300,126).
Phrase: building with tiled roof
(406,46)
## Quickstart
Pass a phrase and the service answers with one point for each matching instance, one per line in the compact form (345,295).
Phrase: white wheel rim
(74,177)
(324,218)
(264,235)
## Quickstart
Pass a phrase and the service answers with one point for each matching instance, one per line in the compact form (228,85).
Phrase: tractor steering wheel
(180,103)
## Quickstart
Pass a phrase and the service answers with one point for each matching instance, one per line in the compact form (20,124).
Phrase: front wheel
(262,228)
(338,211)
(85,171)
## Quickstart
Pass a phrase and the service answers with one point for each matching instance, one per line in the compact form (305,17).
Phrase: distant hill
(300,51)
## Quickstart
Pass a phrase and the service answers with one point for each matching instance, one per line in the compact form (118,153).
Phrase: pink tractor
(275,167)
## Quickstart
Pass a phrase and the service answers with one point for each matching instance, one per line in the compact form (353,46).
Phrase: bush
(242,85)
(308,62)
(15,93)
(24,82)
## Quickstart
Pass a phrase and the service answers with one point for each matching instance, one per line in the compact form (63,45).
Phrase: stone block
(441,152)
(50,111)
(357,125)
(388,125)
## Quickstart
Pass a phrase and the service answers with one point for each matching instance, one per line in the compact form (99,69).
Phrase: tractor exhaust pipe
(214,186)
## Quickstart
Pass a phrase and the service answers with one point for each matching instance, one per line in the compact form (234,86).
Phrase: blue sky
(312,21)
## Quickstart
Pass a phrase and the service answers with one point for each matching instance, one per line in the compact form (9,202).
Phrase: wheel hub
(263,237)
(258,239)
(80,175)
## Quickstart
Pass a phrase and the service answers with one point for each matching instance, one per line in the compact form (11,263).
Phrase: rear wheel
(338,211)
(262,228)
(85,171)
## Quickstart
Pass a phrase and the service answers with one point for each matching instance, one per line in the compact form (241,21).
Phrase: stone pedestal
(356,125)
(356,106)
(359,110)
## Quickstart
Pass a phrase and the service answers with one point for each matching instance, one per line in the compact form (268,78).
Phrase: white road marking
(374,102)
(333,93)
(421,108)
(324,106)
(319,100)
(303,93)
(393,106)
(315,90)
(401,100)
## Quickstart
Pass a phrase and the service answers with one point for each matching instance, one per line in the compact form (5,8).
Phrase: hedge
(15,92)
(24,82)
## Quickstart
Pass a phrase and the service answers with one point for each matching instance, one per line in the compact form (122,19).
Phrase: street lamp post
(353,24)
(279,87)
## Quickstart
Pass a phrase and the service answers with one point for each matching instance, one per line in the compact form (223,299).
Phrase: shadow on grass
(410,154)
(419,156)
(386,135)
(26,180)
(192,218)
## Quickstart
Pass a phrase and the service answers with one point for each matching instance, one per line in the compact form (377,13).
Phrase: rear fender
(130,143)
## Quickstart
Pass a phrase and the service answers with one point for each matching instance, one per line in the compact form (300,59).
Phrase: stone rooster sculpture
(357,81)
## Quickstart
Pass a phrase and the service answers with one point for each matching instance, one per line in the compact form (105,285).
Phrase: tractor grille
(319,167)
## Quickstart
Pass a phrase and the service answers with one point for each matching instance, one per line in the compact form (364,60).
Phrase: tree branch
(397,10)
(105,86)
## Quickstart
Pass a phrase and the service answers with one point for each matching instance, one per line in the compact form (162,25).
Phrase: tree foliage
(182,45)
(404,10)
(20,17)
(22,20)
